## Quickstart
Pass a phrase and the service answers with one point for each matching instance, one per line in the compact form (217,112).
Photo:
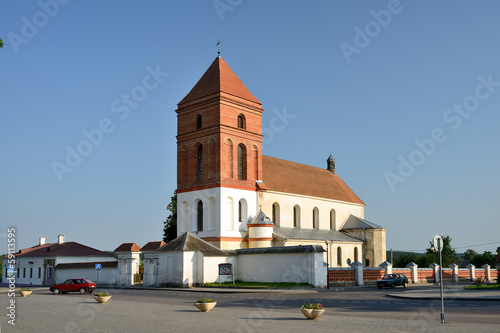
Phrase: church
(233,197)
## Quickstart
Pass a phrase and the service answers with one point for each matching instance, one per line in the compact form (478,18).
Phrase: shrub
(313,305)
(101,294)
(479,282)
(205,300)
(25,289)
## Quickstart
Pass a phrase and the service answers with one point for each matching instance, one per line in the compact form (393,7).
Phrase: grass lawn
(241,284)
(488,287)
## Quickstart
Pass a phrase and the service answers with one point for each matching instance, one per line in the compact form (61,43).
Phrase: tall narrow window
(241,121)
(24,272)
(199,122)
(242,162)
(356,254)
(276,214)
(332,220)
(339,256)
(31,272)
(296,216)
(315,218)
(39,272)
(239,211)
(200,216)
(200,162)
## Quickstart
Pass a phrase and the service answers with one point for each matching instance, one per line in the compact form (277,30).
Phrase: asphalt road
(367,302)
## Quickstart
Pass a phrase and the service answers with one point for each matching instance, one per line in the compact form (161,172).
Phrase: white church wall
(287,201)
(75,259)
(220,212)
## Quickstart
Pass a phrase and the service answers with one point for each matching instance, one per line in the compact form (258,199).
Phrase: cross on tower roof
(218,50)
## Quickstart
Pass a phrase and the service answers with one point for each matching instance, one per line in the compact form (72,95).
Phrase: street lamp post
(327,266)
(433,266)
(496,256)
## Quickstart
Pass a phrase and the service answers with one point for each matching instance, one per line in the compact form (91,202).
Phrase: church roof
(354,222)
(290,177)
(219,78)
(261,218)
(189,242)
(313,234)
(282,249)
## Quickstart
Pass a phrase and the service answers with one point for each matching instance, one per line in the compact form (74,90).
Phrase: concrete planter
(205,307)
(25,293)
(102,299)
(311,313)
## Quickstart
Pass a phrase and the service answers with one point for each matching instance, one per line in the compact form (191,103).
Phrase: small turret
(330,162)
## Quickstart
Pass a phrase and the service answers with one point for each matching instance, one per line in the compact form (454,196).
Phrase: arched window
(339,256)
(356,254)
(200,162)
(242,211)
(199,216)
(199,122)
(276,214)
(332,219)
(315,218)
(242,162)
(296,216)
(241,121)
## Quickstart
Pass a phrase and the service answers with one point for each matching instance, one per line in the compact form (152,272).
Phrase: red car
(82,286)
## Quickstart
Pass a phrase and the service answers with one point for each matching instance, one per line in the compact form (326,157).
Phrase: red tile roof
(219,78)
(128,247)
(68,249)
(152,246)
(290,177)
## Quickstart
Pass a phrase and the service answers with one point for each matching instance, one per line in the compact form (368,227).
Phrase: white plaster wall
(260,232)
(218,219)
(65,260)
(190,269)
(106,275)
(23,263)
(284,267)
(287,201)
(211,268)
(170,273)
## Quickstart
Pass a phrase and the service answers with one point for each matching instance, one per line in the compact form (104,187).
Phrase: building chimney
(330,162)
(42,241)
(60,239)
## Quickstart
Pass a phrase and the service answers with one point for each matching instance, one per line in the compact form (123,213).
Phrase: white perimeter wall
(106,275)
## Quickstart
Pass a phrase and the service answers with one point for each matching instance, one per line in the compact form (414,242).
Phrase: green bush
(205,300)
(101,294)
(313,305)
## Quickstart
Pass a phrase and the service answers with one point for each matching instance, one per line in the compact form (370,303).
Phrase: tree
(449,254)
(170,225)
(470,254)
(1,43)
(486,258)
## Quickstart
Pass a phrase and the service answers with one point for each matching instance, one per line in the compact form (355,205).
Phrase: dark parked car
(393,280)
(82,286)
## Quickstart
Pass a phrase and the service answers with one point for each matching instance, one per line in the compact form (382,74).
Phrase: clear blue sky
(362,85)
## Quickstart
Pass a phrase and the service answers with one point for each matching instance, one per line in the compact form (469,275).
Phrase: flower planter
(102,299)
(205,307)
(25,293)
(311,313)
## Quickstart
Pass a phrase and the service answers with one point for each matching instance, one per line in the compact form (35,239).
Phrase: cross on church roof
(218,50)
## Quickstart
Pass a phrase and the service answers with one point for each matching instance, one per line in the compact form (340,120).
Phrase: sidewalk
(451,292)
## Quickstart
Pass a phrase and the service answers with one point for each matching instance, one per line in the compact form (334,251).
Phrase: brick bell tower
(219,158)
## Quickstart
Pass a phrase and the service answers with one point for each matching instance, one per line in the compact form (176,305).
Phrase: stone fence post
(387,266)
(454,268)
(414,272)
(472,269)
(358,267)
(435,272)
(487,272)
